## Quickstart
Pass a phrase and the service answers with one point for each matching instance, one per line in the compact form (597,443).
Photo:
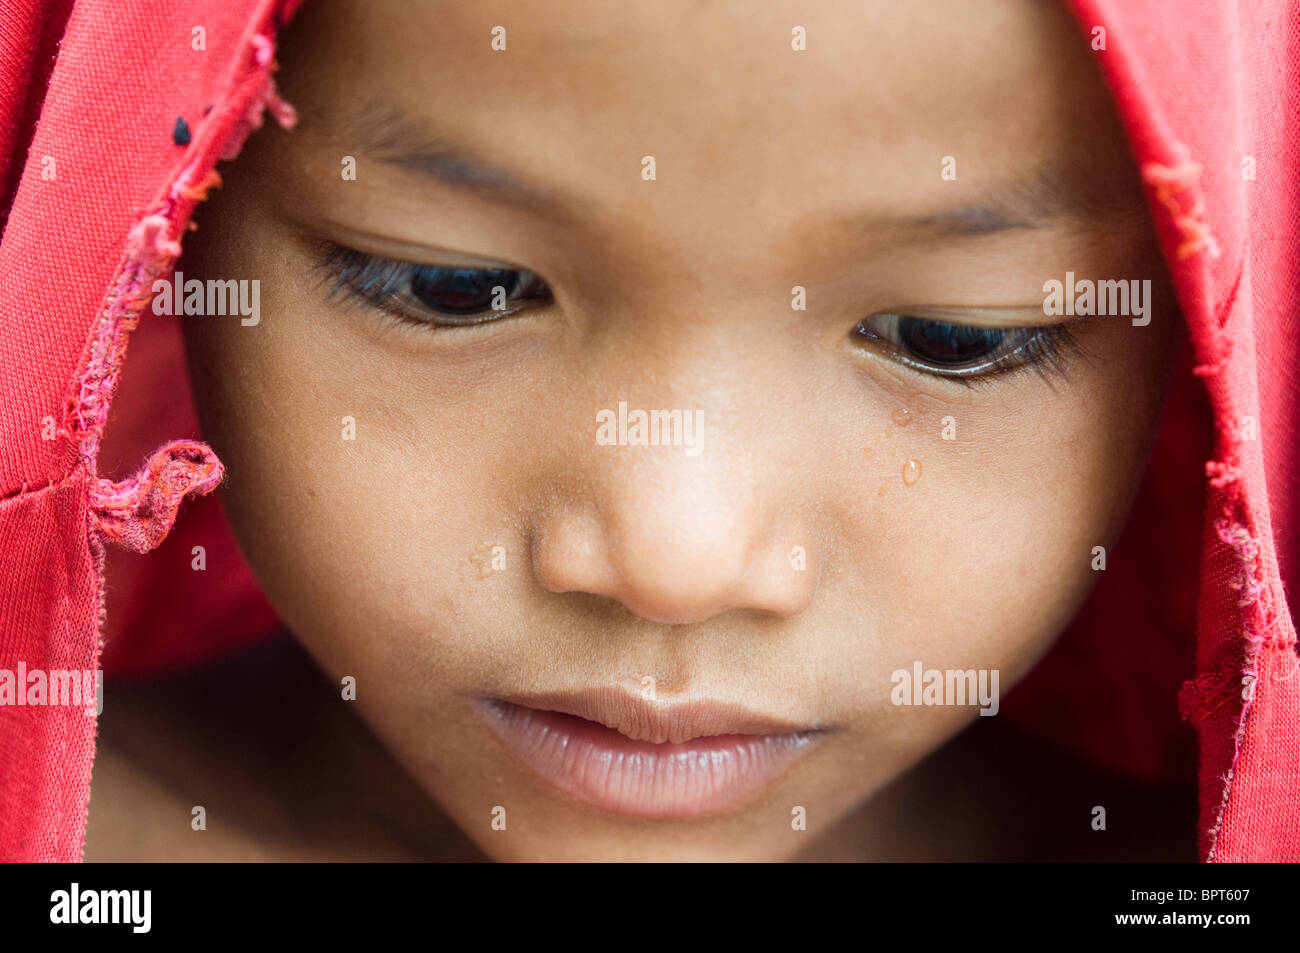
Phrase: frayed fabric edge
(1176,189)
(138,513)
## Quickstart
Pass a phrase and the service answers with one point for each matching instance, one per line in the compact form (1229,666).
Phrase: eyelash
(384,283)
(1045,349)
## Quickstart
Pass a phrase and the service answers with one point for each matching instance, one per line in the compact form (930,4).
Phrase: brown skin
(775,168)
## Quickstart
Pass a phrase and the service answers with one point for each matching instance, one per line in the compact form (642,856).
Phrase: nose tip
(673,573)
(691,595)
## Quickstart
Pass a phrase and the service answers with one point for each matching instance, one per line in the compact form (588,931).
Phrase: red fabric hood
(1187,647)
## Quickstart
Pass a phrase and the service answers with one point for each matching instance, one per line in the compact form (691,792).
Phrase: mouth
(622,753)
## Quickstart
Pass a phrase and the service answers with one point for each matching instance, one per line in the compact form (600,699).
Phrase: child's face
(853,502)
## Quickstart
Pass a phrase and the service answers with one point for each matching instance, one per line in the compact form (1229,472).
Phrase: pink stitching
(150,252)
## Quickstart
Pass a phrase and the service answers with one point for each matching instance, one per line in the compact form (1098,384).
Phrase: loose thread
(1170,183)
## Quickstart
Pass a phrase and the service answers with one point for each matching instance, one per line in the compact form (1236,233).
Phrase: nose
(676,539)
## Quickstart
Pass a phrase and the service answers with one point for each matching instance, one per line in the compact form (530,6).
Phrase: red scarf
(1187,645)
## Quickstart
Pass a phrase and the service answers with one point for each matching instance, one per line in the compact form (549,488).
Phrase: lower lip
(610,771)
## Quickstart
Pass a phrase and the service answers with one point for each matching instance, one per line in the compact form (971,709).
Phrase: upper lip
(641,719)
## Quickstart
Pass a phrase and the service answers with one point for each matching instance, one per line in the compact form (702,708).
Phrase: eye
(467,291)
(433,295)
(963,351)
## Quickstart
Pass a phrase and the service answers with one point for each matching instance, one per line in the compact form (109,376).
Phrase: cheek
(985,557)
(352,505)
(978,565)
(369,489)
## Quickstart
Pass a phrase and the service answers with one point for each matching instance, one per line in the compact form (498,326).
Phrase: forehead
(739,123)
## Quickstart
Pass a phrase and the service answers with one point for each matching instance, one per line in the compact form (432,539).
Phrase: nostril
(568,555)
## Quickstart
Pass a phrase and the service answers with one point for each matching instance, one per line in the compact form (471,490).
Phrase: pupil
(461,290)
(952,344)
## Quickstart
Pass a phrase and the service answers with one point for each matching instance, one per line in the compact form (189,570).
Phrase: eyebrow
(1032,201)
(398,139)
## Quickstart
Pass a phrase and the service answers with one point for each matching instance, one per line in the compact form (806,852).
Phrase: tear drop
(902,416)
(911,471)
